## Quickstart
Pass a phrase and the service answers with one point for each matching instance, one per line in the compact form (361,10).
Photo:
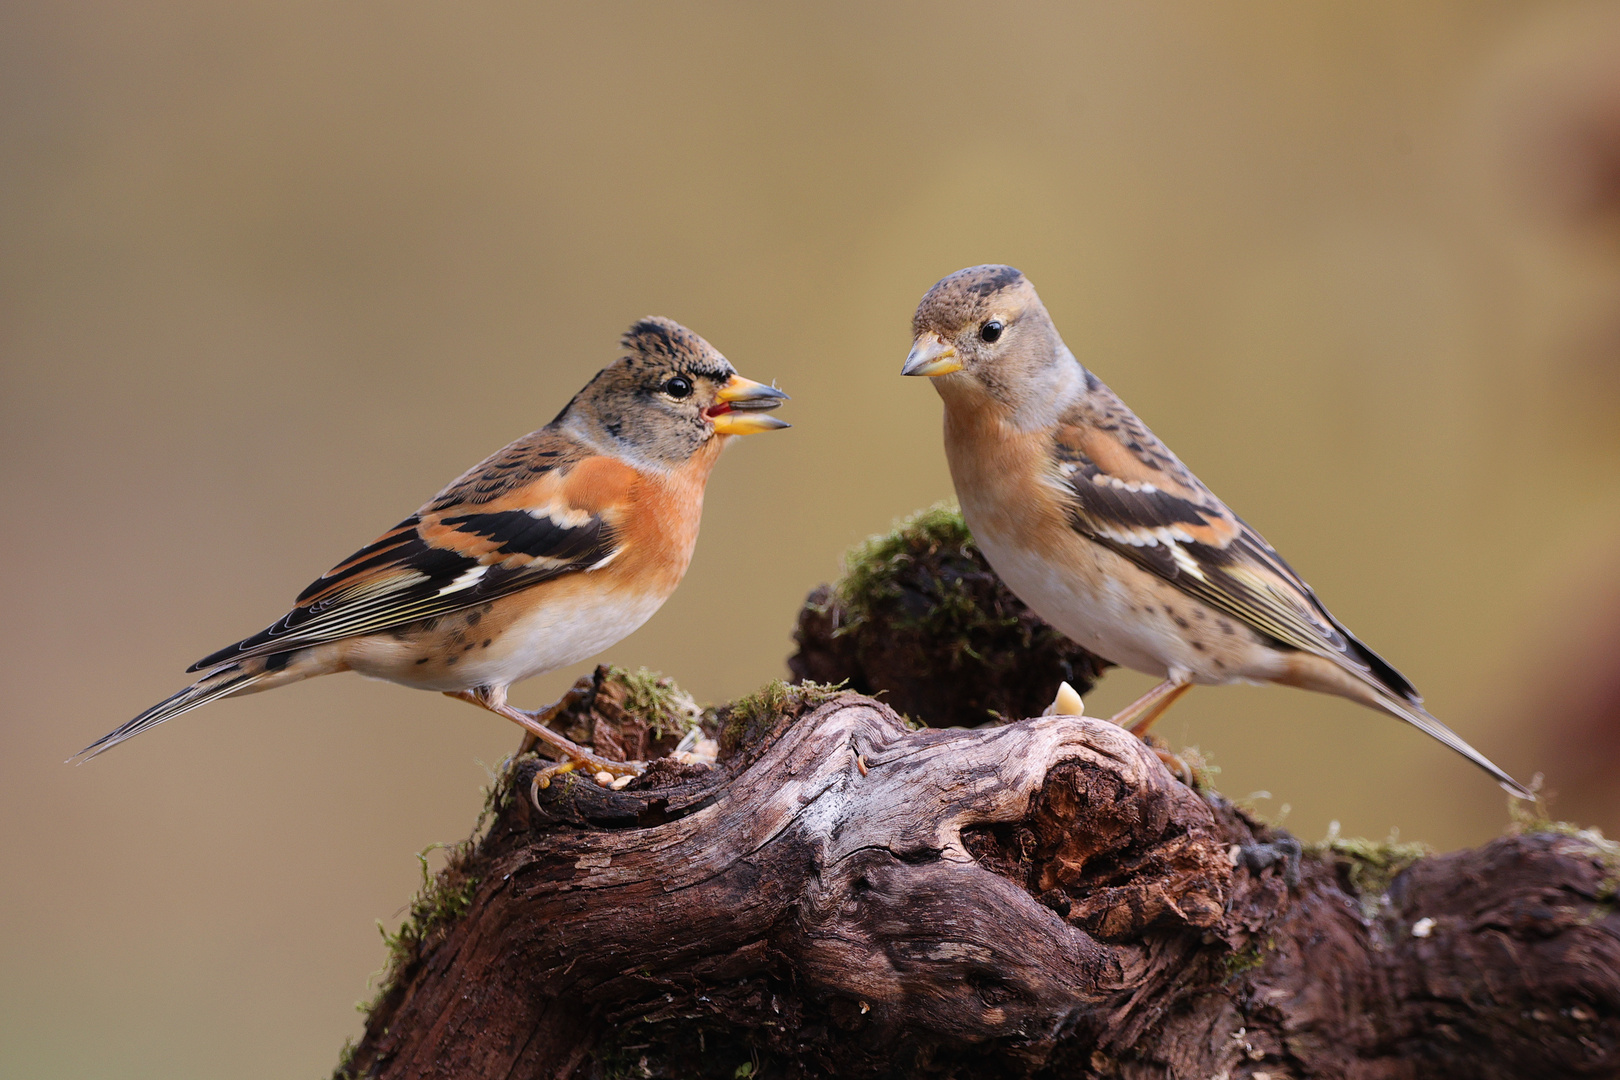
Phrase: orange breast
(658,524)
(1002,475)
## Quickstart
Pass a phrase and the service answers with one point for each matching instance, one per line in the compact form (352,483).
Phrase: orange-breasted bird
(1104,533)
(539,556)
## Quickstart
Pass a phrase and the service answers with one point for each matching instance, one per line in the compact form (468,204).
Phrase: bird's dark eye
(678,387)
(991,330)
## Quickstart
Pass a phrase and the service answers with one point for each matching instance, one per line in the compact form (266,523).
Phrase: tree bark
(845,896)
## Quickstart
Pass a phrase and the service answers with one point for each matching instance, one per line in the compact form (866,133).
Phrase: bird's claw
(1170,759)
(609,774)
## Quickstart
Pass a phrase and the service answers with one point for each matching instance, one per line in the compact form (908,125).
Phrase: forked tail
(230,679)
(1419,718)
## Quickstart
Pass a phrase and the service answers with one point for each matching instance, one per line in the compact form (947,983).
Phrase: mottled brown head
(668,396)
(983,332)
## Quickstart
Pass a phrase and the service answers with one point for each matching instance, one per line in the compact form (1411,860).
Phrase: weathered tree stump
(846,895)
(1041,898)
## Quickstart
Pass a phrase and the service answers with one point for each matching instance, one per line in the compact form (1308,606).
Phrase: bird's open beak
(740,408)
(930,355)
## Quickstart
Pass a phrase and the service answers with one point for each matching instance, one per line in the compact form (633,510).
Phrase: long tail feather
(230,679)
(1419,718)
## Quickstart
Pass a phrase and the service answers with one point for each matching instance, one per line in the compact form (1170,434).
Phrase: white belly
(1125,614)
(562,633)
(564,630)
(1096,615)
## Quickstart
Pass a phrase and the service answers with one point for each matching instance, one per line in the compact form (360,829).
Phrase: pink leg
(1139,715)
(572,756)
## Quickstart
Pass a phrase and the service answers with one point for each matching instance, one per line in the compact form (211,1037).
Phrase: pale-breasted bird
(541,555)
(1103,532)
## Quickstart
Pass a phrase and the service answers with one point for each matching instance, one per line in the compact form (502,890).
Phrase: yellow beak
(741,407)
(931,355)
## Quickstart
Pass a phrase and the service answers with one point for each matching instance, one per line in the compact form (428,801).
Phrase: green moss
(872,568)
(1202,766)
(442,899)
(1531,819)
(1248,958)
(1371,866)
(753,716)
(345,1060)
(926,580)
(655,698)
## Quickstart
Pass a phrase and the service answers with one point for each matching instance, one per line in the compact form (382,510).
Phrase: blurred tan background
(272,273)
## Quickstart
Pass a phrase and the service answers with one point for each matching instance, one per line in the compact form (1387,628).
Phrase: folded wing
(527,515)
(1128,492)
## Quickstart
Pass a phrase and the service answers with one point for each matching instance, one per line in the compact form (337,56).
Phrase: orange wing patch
(556,518)
(1132,490)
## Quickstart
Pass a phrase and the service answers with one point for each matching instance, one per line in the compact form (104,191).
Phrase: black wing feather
(1104,512)
(360,596)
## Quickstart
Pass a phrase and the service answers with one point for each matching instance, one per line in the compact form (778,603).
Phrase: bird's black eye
(678,387)
(991,330)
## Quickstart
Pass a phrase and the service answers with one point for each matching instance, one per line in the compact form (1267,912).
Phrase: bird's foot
(608,774)
(1178,766)
(569,755)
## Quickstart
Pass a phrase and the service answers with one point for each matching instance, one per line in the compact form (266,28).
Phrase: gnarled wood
(849,897)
